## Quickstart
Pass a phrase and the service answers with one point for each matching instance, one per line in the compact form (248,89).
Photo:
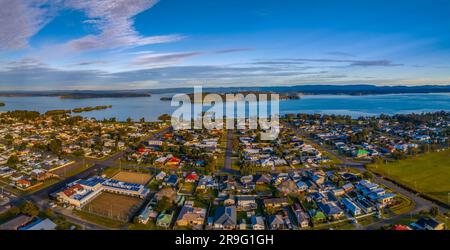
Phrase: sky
(145,44)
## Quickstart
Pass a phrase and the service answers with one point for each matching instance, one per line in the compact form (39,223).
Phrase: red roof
(192,176)
(70,191)
(24,182)
(168,135)
(141,150)
(400,228)
(174,160)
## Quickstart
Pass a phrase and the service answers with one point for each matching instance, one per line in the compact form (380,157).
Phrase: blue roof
(81,196)
(385,196)
(172,178)
(123,185)
(91,181)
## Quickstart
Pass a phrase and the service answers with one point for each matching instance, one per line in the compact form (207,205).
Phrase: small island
(102,95)
(166,98)
(76,110)
(2,104)
(282,96)
(88,109)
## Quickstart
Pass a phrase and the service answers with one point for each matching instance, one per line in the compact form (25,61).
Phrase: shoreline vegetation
(76,110)
(283,96)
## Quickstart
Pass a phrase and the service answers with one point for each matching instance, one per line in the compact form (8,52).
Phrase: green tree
(434,211)
(368,175)
(14,210)
(55,146)
(30,209)
(163,204)
(164,117)
(12,160)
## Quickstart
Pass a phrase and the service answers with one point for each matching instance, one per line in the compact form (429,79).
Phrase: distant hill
(303,89)
(78,94)
(320,89)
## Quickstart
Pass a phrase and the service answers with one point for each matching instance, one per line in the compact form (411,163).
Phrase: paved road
(229,154)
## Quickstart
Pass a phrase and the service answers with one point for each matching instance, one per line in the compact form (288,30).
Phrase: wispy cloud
(89,63)
(361,63)
(32,74)
(114,19)
(152,59)
(162,59)
(340,53)
(232,50)
(20,20)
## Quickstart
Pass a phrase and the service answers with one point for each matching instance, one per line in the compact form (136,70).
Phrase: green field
(428,174)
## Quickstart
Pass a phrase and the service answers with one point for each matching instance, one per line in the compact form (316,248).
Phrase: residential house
(351,207)
(263,179)
(300,215)
(330,209)
(275,202)
(257,223)
(191,216)
(170,181)
(246,202)
(225,218)
(428,223)
(164,219)
(276,222)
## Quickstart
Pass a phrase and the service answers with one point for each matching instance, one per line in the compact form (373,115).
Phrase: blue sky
(133,44)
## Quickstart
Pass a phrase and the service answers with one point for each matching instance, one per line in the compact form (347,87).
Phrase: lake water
(151,107)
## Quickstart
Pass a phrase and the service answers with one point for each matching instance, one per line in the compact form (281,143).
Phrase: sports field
(131,177)
(428,174)
(114,206)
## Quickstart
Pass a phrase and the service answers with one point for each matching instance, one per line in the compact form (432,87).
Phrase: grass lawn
(187,188)
(7,215)
(103,221)
(344,225)
(111,171)
(428,174)
(137,226)
(241,215)
(220,161)
(404,206)
(263,188)
(235,164)
(367,220)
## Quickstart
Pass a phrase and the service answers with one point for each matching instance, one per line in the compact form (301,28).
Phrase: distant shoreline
(77,95)
(355,90)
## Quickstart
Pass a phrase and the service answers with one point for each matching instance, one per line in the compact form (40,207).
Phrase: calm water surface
(151,107)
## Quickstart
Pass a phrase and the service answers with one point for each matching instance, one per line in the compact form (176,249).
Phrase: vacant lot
(428,174)
(118,207)
(138,178)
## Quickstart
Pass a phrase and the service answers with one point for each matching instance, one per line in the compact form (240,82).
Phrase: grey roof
(225,216)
